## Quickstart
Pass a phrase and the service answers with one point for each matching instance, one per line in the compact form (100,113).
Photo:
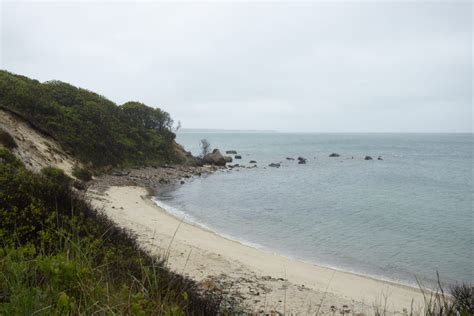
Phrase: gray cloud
(309,66)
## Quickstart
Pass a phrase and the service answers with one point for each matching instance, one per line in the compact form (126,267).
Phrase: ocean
(402,218)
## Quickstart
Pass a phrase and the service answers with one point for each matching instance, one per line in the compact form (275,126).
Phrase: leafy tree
(92,128)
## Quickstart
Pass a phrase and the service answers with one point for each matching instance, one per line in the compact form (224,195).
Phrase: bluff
(89,127)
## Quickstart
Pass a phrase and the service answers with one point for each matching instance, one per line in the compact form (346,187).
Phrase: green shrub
(81,173)
(60,256)
(94,129)
(7,140)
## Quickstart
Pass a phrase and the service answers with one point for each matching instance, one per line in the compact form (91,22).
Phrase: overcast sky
(302,67)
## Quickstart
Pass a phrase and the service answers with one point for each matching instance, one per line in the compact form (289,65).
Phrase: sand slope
(35,149)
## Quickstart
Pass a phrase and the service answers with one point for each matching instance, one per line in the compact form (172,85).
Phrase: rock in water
(379,158)
(368,158)
(275,165)
(231,152)
(301,160)
(215,158)
(334,155)
(252,161)
(238,157)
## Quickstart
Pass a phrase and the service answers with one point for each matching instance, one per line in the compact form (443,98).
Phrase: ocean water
(408,215)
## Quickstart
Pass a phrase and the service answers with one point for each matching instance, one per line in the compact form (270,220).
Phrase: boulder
(215,158)
(231,152)
(238,157)
(301,160)
(368,158)
(275,165)
(253,161)
(334,155)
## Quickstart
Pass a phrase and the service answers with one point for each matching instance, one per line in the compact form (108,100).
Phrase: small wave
(189,219)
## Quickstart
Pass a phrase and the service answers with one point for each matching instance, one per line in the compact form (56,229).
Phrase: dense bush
(7,140)
(59,256)
(81,173)
(91,127)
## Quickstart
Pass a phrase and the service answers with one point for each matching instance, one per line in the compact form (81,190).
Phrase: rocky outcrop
(215,158)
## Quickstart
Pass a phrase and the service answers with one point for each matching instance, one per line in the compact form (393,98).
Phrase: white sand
(234,267)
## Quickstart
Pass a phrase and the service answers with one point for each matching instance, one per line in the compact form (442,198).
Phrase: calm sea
(408,215)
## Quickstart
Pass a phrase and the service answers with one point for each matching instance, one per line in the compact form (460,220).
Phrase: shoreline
(165,208)
(262,279)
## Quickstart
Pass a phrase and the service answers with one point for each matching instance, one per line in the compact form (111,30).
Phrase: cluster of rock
(365,158)
(151,177)
(217,159)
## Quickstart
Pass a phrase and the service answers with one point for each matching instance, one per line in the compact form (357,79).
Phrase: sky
(373,66)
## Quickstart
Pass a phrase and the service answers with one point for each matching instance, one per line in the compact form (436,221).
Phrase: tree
(205,147)
(177,127)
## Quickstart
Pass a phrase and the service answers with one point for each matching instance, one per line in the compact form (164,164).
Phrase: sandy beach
(262,280)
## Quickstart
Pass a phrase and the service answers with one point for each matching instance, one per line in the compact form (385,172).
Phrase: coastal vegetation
(98,132)
(7,140)
(59,256)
